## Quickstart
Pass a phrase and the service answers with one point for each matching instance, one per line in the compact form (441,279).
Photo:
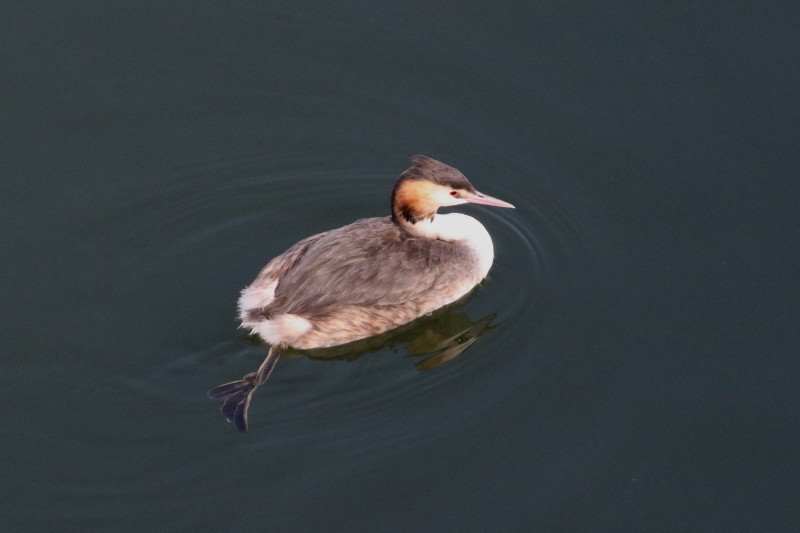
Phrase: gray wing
(369,262)
(280,265)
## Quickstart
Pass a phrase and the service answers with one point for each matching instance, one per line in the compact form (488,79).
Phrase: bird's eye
(454,194)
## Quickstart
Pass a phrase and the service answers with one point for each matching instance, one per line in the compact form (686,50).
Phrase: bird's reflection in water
(436,338)
(440,338)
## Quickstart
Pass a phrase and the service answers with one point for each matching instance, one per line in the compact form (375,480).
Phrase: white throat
(457,227)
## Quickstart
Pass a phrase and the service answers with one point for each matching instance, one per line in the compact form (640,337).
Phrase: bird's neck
(450,227)
(459,229)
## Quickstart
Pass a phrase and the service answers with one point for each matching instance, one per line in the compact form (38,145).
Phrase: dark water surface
(642,374)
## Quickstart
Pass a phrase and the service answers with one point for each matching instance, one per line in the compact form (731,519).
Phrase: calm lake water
(637,362)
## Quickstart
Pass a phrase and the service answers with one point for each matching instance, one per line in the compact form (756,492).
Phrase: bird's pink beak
(484,199)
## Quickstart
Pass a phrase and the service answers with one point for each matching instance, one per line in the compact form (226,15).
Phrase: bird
(368,277)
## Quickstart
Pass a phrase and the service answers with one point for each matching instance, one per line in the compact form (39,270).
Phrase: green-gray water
(643,371)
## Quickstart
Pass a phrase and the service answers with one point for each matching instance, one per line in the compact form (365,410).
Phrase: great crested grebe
(368,277)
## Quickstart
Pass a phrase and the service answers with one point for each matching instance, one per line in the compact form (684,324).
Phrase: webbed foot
(236,395)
